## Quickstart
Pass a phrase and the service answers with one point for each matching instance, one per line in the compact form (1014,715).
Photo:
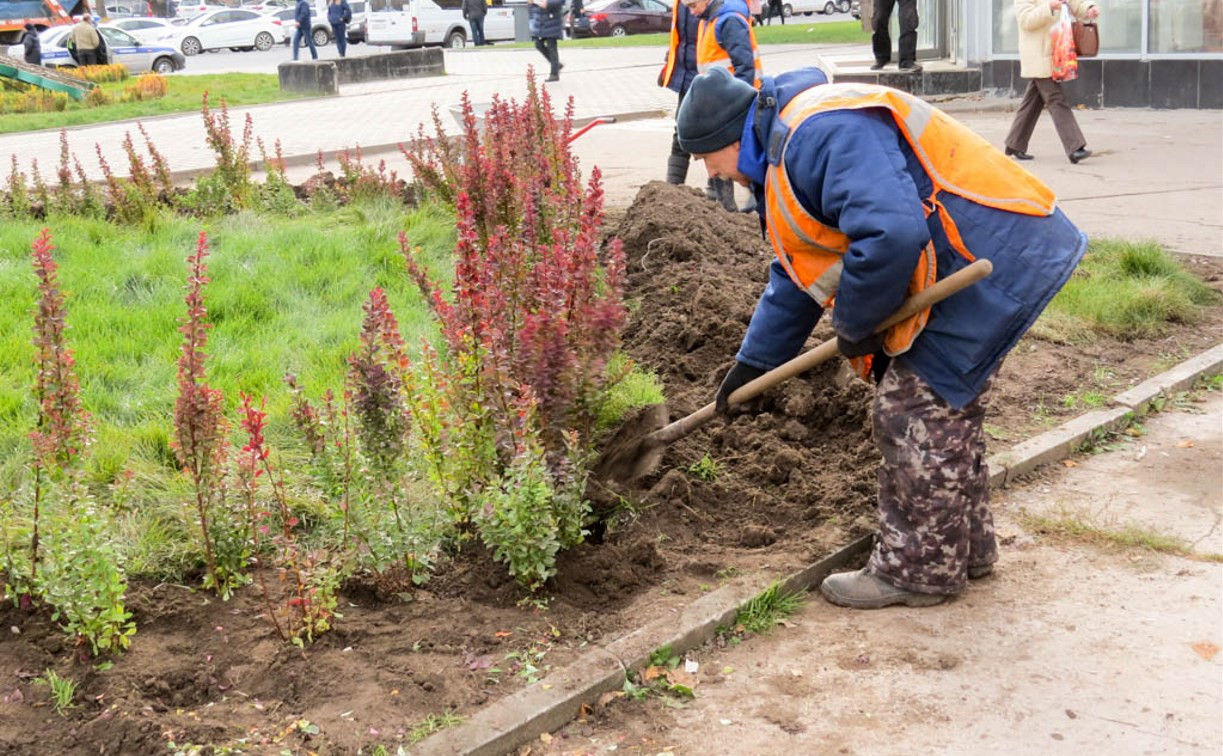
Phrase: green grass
(763,612)
(184,94)
(1084,527)
(794,32)
(637,388)
(286,295)
(1127,290)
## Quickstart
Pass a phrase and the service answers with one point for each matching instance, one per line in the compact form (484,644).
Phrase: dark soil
(785,487)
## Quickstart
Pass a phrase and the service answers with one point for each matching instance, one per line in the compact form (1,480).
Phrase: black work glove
(869,345)
(737,376)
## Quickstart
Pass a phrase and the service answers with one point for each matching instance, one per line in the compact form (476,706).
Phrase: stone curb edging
(517,719)
(1062,441)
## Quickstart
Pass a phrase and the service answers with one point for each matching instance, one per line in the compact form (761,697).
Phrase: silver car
(122,48)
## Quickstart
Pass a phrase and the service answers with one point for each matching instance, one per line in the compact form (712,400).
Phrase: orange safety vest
(957,161)
(709,54)
(673,51)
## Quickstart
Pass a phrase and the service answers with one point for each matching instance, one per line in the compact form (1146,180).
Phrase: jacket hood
(763,134)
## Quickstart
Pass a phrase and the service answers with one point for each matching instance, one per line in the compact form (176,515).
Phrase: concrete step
(938,77)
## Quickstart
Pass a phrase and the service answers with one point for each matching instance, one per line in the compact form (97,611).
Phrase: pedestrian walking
(775,9)
(339,14)
(474,11)
(32,45)
(677,74)
(1035,19)
(726,40)
(881,39)
(868,195)
(303,29)
(546,23)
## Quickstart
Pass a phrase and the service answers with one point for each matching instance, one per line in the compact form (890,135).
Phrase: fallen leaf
(1184,444)
(584,711)
(395,692)
(545,737)
(1070,463)
(1206,650)
(653,673)
(502,634)
(786,623)
(608,697)
(678,676)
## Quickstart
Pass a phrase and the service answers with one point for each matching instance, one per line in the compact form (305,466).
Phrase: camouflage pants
(934,518)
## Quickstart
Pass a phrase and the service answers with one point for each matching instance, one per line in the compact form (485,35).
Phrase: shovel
(637,448)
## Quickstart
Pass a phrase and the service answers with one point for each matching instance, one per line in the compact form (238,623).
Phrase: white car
(234,28)
(149,31)
(319,28)
(807,7)
(191,10)
(122,47)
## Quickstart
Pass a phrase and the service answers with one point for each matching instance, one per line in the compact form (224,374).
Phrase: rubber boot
(865,590)
(726,194)
(677,169)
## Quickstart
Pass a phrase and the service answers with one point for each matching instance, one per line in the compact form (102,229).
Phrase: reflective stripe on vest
(709,54)
(956,160)
(673,51)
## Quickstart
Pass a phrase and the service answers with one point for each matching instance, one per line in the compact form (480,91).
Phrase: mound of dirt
(695,273)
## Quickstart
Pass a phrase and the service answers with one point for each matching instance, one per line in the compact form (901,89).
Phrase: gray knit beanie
(713,112)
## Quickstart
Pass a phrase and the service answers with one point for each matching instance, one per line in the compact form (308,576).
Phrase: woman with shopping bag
(1046,58)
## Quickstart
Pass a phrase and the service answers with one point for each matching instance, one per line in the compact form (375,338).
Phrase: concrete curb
(520,718)
(1064,440)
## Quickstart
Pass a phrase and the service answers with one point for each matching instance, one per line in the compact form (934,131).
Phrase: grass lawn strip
(183,94)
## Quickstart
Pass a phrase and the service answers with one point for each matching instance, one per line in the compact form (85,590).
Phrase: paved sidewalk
(1067,649)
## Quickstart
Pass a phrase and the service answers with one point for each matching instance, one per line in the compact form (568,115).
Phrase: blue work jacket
(854,170)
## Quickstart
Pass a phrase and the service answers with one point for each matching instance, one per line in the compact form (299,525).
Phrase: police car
(121,46)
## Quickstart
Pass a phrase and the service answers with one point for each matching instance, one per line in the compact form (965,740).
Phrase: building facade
(1153,53)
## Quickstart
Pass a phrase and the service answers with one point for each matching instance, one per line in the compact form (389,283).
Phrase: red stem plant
(306,598)
(534,310)
(199,413)
(62,430)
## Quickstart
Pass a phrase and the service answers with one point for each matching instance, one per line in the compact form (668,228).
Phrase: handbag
(1086,38)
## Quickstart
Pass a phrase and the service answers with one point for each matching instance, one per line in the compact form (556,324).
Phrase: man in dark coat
(547,23)
(33,45)
(474,11)
(338,15)
(304,30)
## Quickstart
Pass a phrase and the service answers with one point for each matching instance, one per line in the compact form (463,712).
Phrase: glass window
(1120,26)
(1184,26)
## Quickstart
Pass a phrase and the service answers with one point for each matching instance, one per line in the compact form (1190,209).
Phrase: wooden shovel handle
(936,292)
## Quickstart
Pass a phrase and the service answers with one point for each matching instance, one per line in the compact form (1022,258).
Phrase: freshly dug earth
(765,492)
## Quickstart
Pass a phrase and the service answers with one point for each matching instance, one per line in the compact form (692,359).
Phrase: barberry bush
(532,316)
(73,560)
(201,442)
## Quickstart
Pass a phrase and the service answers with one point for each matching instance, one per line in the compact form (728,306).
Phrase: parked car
(126,10)
(808,7)
(150,31)
(122,48)
(266,6)
(855,9)
(191,10)
(234,28)
(356,28)
(616,18)
(318,25)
